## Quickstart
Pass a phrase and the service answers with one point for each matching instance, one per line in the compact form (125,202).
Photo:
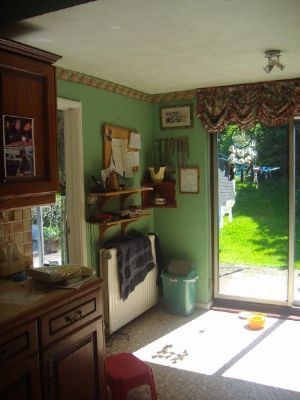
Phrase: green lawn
(258,234)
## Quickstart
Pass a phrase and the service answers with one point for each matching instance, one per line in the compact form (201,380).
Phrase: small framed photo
(189,180)
(176,117)
(19,162)
(17,131)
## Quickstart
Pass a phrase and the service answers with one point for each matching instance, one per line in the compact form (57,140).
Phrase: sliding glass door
(255,236)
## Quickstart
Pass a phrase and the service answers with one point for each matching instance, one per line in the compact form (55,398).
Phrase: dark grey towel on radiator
(135,260)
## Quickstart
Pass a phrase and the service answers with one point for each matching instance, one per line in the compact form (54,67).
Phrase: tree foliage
(271,145)
(272,148)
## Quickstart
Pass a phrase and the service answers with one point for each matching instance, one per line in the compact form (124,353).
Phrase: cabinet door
(22,381)
(73,368)
(28,91)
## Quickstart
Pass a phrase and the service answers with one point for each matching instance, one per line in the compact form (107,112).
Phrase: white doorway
(72,241)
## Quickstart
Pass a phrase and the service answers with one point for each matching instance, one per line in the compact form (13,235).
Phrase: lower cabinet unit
(72,367)
(54,348)
(21,381)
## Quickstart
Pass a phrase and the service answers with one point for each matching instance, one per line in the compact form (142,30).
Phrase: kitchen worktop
(46,298)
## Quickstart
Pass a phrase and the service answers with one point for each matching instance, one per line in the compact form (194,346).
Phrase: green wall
(184,231)
(100,107)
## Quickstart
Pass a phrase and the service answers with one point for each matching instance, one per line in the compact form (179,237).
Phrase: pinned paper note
(121,162)
(134,158)
(135,140)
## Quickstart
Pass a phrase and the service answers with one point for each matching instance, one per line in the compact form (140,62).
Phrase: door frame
(291,243)
(74,168)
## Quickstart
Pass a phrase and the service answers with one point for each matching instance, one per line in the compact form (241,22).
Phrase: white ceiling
(160,46)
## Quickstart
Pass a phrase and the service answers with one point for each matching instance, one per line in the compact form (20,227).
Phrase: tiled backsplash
(15,225)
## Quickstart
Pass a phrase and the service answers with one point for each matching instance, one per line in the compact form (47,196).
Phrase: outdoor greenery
(52,219)
(258,234)
(270,145)
(51,233)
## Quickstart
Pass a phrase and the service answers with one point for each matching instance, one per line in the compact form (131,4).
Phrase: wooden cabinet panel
(28,90)
(17,344)
(73,315)
(21,382)
(53,349)
(73,367)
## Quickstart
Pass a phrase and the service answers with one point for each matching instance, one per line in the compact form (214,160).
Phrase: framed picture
(176,117)
(19,152)
(19,162)
(17,131)
(189,180)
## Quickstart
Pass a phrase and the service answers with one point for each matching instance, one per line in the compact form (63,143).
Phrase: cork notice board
(116,132)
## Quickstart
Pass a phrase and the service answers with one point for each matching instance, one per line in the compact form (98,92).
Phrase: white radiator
(145,295)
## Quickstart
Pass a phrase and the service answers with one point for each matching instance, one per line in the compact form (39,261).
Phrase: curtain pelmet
(270,103)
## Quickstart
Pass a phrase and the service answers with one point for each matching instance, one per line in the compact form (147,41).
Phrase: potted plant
(51,239)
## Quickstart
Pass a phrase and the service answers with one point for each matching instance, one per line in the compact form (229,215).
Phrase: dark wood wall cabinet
(54,348)
(27,93)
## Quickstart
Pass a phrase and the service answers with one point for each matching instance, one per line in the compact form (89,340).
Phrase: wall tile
(8,229)
(18,215)
(28,249)
(27,226)
(20,248)
(12,225)
(18,238)
(18,227)
(27,237)
(26,213)
(10,216)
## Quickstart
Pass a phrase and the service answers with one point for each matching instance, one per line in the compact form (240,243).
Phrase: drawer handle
(3,356)
(76,316)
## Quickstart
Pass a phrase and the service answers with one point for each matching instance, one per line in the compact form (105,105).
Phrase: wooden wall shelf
(123,222)
(165,190)
(123,195)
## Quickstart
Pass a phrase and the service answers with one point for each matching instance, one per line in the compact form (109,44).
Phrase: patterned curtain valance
(270,103)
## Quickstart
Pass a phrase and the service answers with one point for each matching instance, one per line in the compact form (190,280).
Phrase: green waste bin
(179,291)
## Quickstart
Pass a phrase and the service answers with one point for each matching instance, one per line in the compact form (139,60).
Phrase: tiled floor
(213,356)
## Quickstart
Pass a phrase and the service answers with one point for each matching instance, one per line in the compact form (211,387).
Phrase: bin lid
(180,267)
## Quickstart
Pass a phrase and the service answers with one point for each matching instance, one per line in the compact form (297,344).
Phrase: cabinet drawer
(69,317)
(18,343)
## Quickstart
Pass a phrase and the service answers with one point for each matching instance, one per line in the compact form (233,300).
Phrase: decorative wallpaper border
(77,77)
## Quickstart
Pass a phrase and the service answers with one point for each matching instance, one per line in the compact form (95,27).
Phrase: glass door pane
(253,213)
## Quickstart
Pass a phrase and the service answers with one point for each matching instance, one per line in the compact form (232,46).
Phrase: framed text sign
(189,180)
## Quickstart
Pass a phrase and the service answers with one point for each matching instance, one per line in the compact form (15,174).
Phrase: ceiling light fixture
(273,60)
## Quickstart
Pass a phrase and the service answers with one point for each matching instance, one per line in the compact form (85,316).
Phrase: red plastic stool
(124,371)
